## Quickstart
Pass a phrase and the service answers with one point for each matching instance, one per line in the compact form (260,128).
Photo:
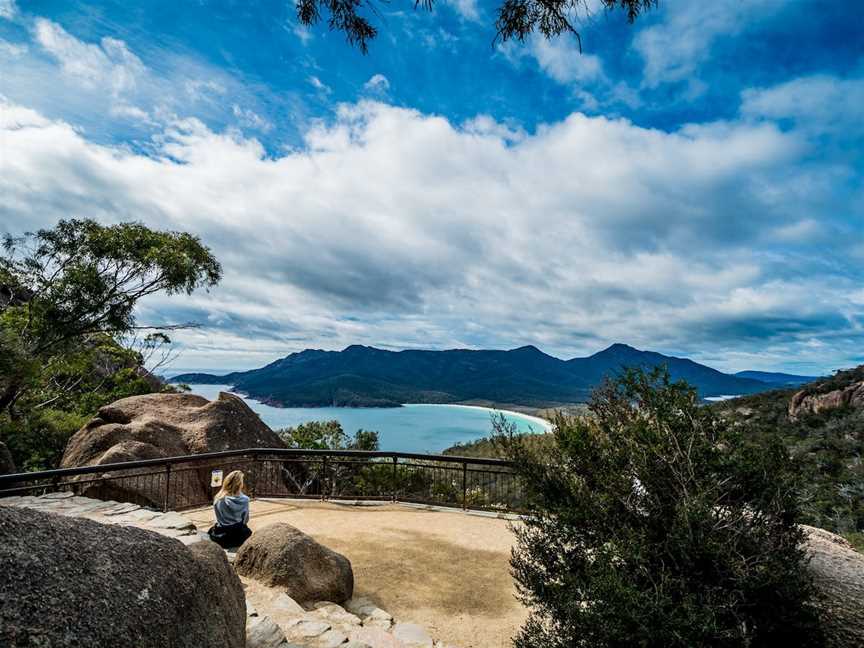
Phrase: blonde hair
(231,485)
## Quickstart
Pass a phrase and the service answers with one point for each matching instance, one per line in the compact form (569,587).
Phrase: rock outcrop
(154,426)
(839,573)
(280,555)
(74,582)
(805,402)
(7,466)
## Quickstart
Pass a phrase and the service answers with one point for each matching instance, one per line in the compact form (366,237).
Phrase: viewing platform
(439,571)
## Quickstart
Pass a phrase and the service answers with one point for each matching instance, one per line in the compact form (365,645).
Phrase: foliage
(516,19)
(357,474)
(657,524)
(490,448)
(327,435)
(828,445)
(68,333)
(62,287)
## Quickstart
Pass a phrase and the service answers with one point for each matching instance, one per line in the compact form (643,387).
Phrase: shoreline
(543,423)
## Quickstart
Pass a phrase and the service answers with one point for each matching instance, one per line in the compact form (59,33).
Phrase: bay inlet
(410,428)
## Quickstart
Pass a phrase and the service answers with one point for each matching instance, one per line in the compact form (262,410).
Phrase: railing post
(394,478)
(167,487)
(324,478)
(255,473)
(464,485)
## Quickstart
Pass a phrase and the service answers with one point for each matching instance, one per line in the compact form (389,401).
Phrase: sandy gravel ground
(445,570)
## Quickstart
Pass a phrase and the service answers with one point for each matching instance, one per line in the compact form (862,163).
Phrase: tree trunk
(10,394)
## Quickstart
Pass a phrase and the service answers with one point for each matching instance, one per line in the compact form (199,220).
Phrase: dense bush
(658,525)
(828,447)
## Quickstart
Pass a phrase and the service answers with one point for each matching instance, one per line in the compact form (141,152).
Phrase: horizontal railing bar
(247,453)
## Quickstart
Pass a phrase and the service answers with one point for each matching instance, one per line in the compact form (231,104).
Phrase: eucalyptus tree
(514,19)
(75,286)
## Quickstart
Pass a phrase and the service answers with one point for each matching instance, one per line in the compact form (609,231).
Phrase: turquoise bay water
(410,428)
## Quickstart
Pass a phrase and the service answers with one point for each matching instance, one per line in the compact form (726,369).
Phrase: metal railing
(178,483)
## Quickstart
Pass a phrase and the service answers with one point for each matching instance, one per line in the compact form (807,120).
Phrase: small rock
(57,495)
(120,509)
(285,603)
(378,613)
(375,637)
(309,628)
(250,610)
(412,635)
(336,614)
(331,639)
(171,520)
(383,624)
(263,632)
(356,604)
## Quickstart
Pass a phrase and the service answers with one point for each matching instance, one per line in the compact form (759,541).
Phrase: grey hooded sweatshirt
(232,509)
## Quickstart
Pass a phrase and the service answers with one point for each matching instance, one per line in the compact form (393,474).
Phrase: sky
(689,184)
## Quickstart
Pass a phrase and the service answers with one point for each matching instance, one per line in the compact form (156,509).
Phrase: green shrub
(656,525)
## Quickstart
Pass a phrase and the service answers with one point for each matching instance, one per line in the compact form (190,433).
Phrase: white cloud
(378,83)
(250,119)
(110,63)
(674,49)
(8,9)
(561,59)
(819,103)
(319,85)
(468,9)
(393,227)
(12,50)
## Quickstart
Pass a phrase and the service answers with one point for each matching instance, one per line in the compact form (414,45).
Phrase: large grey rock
(74,582)
(7,466)
(155,426)
(839,573)
(280,555)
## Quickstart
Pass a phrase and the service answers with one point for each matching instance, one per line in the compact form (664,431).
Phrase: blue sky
(690,184)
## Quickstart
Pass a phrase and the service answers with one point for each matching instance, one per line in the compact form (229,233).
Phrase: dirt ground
(445,570)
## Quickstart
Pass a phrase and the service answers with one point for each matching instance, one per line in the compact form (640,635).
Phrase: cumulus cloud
(398,228)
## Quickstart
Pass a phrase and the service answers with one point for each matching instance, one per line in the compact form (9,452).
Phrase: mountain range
(362,376)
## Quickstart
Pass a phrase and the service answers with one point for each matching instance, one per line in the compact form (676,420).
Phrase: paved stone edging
(170,524)
(275,620)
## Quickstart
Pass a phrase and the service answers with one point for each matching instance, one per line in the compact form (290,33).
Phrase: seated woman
(231,505)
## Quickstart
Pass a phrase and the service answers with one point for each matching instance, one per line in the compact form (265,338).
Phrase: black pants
(229,536)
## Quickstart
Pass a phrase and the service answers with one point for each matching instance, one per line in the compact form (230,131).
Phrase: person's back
(231,506)
(232,509)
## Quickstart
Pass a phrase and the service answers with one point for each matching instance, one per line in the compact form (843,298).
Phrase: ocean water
(410,428)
